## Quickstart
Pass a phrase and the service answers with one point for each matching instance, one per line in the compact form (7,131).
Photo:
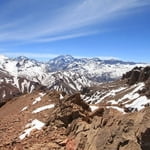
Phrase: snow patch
(110,93)
(38,99)
(117,108)
(93,108)
(43,108)
(24,108)
(113,102)
(42,94)
(16,83)
(35,124)
(32,88)
(139,103)
(61,97)
(4,94)
(133,95)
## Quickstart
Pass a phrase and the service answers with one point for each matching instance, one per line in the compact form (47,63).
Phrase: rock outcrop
(138,74)
(113,132)
(68,110)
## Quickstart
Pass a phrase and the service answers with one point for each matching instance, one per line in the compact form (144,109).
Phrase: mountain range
(69,103)
(63,73)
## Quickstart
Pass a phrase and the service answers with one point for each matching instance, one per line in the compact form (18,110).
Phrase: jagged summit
(60,63)
(19,58)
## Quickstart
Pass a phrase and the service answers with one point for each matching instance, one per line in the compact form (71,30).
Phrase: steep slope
(132,93)
(68,82)
(11,86)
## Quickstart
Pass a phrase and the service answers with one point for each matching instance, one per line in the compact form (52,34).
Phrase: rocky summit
(109,116)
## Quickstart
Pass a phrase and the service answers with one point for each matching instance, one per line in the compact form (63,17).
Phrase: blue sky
(82,28)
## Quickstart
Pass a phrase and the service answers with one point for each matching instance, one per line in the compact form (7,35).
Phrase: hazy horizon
(76,57)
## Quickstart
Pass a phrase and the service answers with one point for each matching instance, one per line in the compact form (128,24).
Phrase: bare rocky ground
(69,123)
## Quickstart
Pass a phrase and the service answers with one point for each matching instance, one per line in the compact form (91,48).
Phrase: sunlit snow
(24,108)
(93,108)
(139,103)
(38,99)
(117,108)
(61,97)
(35,124)
(43,108)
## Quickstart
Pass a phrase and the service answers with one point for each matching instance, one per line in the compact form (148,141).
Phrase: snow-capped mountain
(67,81)
(93,69)
(61,63)
(11,86)
(66,72)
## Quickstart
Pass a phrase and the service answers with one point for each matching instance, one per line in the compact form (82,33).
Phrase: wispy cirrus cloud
(52,20)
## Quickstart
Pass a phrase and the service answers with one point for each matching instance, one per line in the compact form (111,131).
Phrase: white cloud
(49,20)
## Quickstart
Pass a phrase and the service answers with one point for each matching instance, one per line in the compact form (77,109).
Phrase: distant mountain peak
(22,58)
(64,57)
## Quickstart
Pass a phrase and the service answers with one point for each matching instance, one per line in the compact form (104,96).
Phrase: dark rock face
(76,99)
(138,74)
(145,140)
(134,77)
(145,74)
(147,88)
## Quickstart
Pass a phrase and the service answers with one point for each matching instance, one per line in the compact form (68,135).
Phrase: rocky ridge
(54,120)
